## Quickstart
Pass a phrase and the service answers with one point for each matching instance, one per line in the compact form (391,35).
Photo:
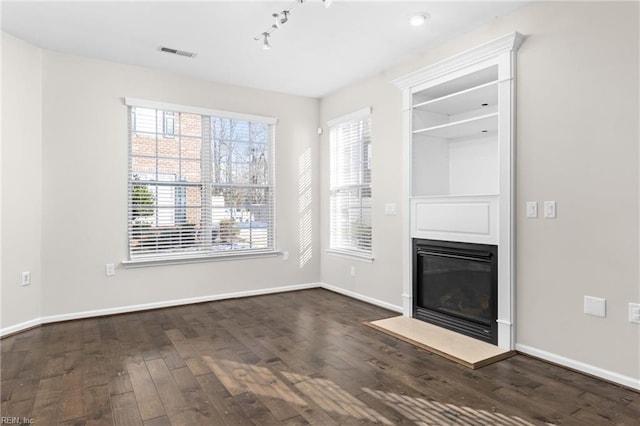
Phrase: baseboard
(23,326)
(601,373)
(364,298)
(147,306)
(582,367)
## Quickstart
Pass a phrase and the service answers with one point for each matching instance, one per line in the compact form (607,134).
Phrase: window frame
(344,250)
(209,254)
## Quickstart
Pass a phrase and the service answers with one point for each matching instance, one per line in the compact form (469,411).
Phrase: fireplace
(455,286)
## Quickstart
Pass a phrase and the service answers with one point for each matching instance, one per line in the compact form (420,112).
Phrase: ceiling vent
(177,52)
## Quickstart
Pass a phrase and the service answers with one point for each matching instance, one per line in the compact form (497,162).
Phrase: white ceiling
(317,52)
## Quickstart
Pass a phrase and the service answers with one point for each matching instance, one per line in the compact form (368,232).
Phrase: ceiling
(318,51)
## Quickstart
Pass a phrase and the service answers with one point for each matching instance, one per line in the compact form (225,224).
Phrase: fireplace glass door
(455,286)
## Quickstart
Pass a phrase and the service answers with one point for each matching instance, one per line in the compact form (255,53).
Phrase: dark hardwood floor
(292,358)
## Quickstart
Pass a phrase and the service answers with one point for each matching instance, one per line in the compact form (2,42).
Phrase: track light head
(280,19)
(265,43)
(285,16)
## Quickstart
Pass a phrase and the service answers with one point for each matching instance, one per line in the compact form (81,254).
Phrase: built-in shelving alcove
(459,167)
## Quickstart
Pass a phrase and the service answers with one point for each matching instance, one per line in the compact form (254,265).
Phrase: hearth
(455,286)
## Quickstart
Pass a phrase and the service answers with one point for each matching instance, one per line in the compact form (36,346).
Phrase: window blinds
(199,184)
(350,184)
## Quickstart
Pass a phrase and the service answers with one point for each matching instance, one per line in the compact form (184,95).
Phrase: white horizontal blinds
(165,183)
(242,191)
(350,185)
(198,185)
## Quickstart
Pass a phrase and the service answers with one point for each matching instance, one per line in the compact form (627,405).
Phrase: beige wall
(64,176)
(85,181)
(21,169)
(64,163)
(577,144)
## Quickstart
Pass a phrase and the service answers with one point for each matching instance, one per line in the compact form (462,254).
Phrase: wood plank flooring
(293,358)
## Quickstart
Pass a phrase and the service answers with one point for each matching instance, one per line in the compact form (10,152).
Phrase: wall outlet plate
(532,209)
(109,269)
(595,306)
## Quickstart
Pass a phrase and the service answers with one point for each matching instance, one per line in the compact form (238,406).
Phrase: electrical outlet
(595,306)
(353,271)
(109,269)
(634,312)
(26,279)
(285,255)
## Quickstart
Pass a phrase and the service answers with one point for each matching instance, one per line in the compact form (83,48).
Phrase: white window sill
(177,260)
(351,255)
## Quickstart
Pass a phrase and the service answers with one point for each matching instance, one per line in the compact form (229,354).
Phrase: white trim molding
(23,326)
(147,306)
(599,373)
(445,215)
(358,296)
(488,50)
(356,115)
(198,110)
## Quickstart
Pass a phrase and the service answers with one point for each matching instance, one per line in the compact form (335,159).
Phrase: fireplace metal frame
(471,251)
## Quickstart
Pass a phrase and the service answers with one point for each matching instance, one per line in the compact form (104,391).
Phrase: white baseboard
(12,329)
(146,306)
(359,296)
(633,383)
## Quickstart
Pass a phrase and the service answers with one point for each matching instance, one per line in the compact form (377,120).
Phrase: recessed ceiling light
(418,19)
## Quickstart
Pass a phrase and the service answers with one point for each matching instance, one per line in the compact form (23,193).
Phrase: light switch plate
(390,208)
(550,209)
(532,209)
(26,279)
(595,306)
(634,313)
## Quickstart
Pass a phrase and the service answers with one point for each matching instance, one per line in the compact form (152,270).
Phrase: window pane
(195,191)
(350,183)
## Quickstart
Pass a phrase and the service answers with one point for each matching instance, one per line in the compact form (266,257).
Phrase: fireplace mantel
(459,166)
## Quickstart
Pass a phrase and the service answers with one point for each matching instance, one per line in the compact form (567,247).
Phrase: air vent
(177,52)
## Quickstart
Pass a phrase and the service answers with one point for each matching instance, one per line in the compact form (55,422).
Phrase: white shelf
(473,126)
(455,103)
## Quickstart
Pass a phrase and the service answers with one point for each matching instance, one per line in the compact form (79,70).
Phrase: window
(200,182)
(169,123)
(350,184)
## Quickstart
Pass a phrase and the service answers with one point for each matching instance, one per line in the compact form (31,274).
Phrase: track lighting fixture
(265,44)
(280,19)
(285,17)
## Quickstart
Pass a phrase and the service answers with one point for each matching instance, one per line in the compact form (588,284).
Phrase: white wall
(577,144)
(21,169)
(381,280)
(63,183)
(64,177)
(85,181)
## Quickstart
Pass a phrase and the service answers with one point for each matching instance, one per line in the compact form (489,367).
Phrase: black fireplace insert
(455,286)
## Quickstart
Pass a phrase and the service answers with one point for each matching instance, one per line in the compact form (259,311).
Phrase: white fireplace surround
(450,211)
